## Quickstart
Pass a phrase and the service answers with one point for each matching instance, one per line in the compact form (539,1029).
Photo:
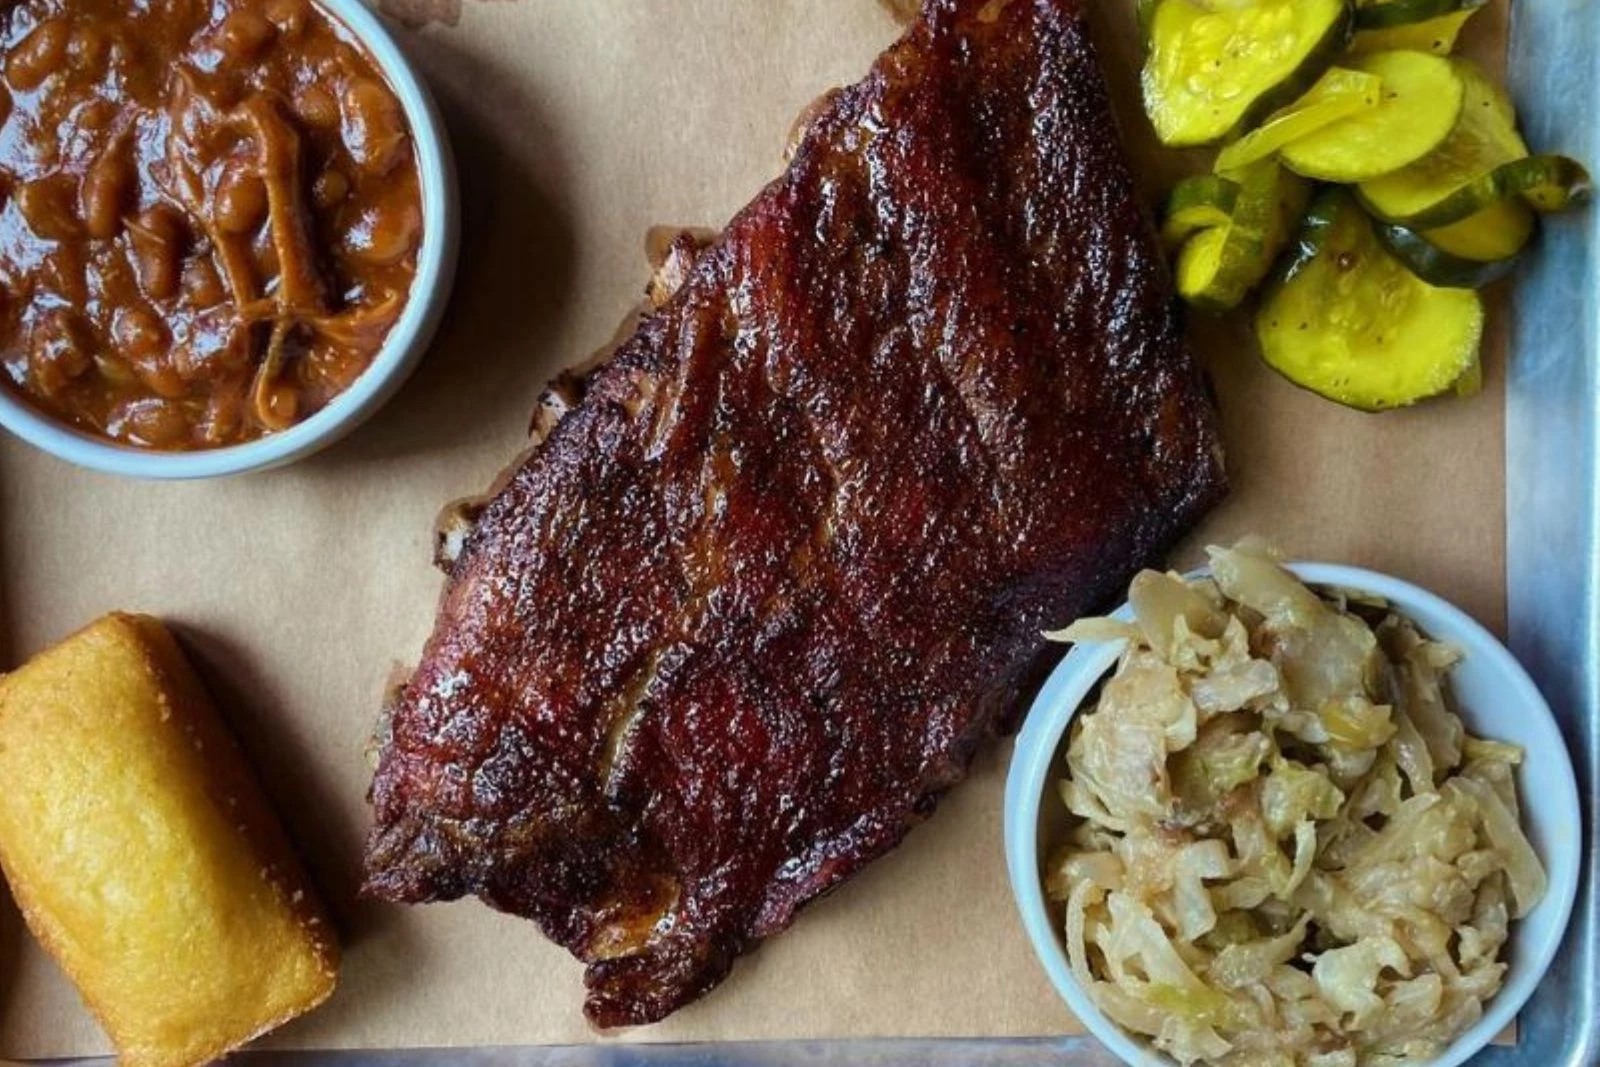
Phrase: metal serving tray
(1553,580)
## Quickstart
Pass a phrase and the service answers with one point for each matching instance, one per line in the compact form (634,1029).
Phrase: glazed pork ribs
(751,607)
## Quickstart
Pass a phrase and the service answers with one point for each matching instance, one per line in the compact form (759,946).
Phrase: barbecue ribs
(749,610)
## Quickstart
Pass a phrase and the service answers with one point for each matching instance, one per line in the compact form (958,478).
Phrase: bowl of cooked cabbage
(1304,815)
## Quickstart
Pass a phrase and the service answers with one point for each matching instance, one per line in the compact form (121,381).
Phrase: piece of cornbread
(143,855)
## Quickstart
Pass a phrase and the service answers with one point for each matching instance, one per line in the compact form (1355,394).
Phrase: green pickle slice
(1212,69)
(1485,137)
(1548,183)
(1218,266)
(1349,322)
(1199,203)
(1469,254)
(1544,183)
(1338,94)
(1422,100)
(1498,232)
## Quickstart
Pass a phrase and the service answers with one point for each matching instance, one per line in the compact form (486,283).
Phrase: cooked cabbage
(1286,849)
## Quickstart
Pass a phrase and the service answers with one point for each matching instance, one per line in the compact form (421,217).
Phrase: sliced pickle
(1349,322)
(1218,266)
(1199,203)
(1338,94)
(1485,137)
(1422,101)
(1469,254)
(1214,70)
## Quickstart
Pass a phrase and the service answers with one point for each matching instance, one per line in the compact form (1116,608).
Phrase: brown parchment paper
(578,124)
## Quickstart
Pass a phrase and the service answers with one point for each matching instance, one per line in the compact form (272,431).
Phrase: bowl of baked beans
(227,229)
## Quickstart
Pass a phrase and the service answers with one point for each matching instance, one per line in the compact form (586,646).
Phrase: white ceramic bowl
(1494,696)
(401,352)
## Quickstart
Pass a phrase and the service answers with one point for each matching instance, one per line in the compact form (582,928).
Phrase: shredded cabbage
(1286,849)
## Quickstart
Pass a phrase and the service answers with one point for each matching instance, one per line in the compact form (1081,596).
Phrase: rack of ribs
(750,608)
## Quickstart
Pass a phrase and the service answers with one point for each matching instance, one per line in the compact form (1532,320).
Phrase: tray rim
(1553,492)
(1553,620)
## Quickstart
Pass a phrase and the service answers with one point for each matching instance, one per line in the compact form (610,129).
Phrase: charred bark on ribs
(751,607)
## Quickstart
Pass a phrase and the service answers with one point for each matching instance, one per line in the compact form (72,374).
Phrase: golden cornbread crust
(143,855)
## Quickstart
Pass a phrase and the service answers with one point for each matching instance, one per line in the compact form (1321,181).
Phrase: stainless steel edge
(1078,1051)
(948,1052)
(1553,502)
(1553,578)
